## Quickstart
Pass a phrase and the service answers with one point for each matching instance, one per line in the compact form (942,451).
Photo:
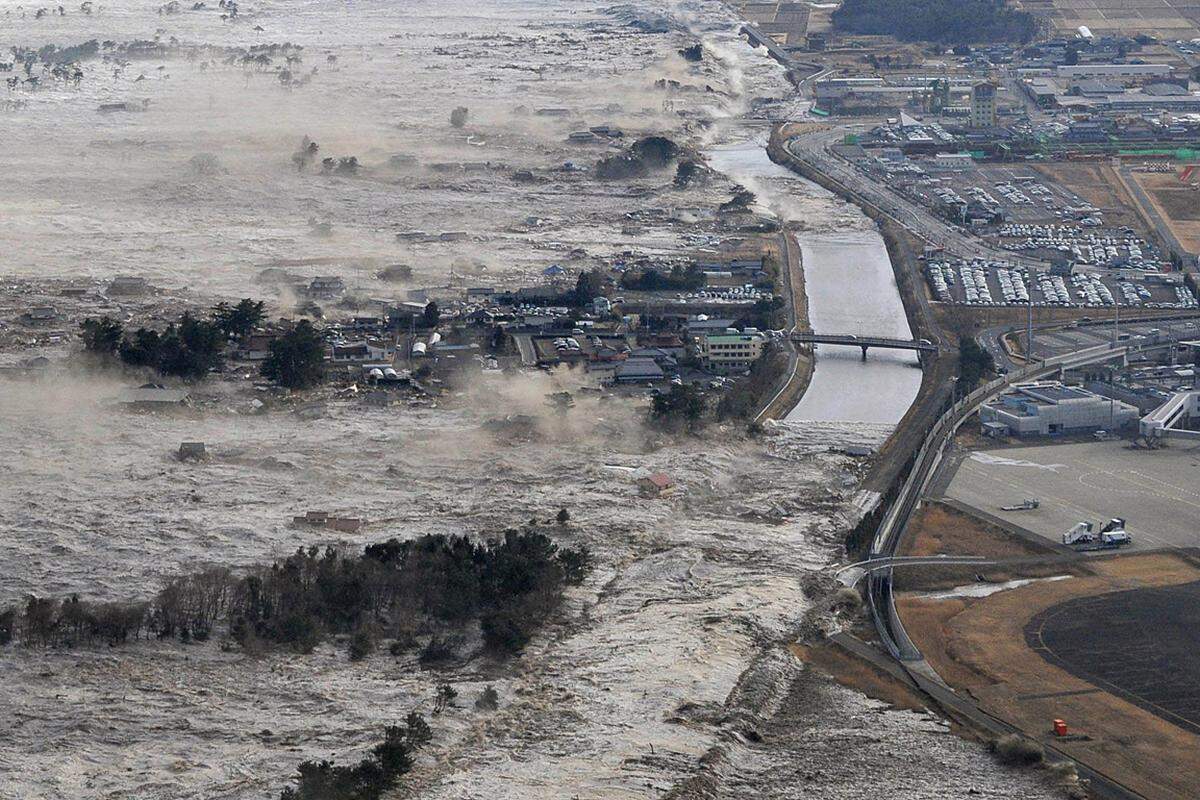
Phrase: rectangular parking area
(1156,492)
(1020,194)
(976,282)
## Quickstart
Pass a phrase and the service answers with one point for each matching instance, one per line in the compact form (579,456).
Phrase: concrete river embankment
(851,289)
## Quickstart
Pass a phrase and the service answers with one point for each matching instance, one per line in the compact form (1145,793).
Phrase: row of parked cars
(1084,247)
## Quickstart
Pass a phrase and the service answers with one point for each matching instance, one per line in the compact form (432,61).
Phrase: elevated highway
(925,464)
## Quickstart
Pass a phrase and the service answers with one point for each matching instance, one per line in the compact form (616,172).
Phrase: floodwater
(851,289)
(672,652)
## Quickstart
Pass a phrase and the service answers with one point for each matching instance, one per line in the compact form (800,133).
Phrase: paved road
(1160,225)
(1062,338)
(851,574)
(813,149)
(796,378)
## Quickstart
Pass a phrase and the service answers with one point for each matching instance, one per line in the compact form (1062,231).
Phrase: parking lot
(1085,243)
(977,282)
(1156,492)
(1018,193)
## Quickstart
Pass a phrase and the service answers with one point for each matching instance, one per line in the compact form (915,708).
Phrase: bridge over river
(921,346)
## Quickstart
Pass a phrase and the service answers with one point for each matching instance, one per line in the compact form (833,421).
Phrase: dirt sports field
(1177,202)
(1173,19)
(1111,650)
(1139,645)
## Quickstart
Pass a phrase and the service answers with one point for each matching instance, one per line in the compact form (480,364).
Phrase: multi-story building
(730,352)
(983,105)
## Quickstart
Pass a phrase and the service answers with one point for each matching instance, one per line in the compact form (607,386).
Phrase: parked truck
(1110,536)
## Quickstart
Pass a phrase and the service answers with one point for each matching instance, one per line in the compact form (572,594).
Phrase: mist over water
(676,646)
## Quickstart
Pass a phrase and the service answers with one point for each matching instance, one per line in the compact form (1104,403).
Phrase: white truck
(1085,537)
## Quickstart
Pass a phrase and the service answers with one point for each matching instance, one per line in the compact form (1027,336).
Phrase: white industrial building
(1051,409)
(1075,72)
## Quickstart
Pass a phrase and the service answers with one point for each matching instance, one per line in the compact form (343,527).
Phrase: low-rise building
(153,396)
(40,315)
(702,324)
(1052,409)
(639,370)
(362,352)
(655,485)
(1123,72)
(127,286)
(257,345)
(326,287)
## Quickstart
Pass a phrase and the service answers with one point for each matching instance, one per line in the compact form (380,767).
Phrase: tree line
(436,584)
(189,349)
(946,21)
(194,347)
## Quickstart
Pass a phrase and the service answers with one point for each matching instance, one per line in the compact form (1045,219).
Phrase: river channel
(851,290)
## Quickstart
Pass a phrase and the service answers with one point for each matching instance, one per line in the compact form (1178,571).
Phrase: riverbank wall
(936,393)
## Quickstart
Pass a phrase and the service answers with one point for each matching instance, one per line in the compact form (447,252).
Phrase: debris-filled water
(668,670)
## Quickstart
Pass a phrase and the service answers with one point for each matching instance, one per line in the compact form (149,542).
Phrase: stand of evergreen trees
(371,777)
(507,586)
(747,396)
(974,364)
(680,278)
(189,349)
(945,21)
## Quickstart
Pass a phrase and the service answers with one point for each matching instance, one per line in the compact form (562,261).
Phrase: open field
(1157,492)
(1098,185)
(1165,18)
(1177,203)
(1103,640)
(979,646)
(786,23)
(941,529)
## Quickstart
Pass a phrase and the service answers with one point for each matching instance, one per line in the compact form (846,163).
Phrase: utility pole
(1116,322)
(1029,326)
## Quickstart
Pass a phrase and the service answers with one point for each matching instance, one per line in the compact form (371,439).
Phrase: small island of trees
(435,586)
